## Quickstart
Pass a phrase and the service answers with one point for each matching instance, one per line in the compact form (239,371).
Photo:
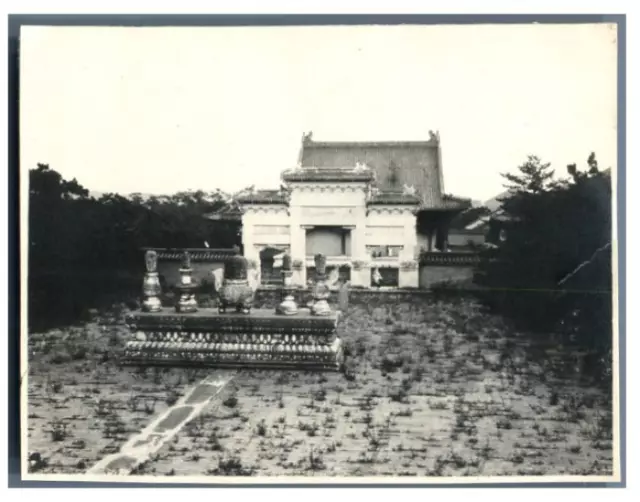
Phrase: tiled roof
(328,174)
(264,197)
(231,212)
(394,198)
(501,216)
(395,163)
(484,221)
(451,202)
(196,254)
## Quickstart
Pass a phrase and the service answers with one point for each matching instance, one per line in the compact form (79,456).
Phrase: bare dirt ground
(432,389)
(81,405)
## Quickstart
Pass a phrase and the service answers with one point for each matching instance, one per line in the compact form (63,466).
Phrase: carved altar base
(207,338)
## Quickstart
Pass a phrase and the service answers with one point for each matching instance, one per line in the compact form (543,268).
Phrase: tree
(535,177)
(52,218)
(80,247)
(45,183)
(553,230)
(183,222)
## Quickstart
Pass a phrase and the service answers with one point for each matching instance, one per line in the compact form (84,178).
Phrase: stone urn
(151,288)
(320,290)
(187,288)
(288,304)
(236,292)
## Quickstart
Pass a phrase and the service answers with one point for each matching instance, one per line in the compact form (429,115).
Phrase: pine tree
(535,177)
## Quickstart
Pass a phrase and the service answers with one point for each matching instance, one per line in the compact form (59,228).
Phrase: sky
(157,110)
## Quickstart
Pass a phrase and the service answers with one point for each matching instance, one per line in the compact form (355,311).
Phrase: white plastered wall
(394,225)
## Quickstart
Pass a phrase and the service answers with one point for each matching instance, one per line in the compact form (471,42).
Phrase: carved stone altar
(284,338)
(263,339)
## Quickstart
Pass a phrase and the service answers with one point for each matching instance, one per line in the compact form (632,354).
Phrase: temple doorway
(328,240)
(385,277)
(271,265)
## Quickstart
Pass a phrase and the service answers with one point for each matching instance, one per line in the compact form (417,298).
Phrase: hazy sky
(157,110)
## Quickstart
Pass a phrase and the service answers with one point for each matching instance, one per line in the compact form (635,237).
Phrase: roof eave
(328,178)
(262,202)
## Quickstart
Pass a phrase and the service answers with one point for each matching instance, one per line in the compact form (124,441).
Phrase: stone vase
(151,291)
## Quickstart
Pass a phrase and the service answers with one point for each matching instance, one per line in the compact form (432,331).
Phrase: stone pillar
(408,274)
(366,275)
(252,255)
(358,232)
(249,249)
(247,240)
(410,241)
(360,274)
(299,251)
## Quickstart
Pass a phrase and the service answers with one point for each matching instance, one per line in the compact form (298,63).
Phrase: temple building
(370,207)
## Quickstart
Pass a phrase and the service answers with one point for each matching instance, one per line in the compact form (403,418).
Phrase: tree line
(86,250)
(551,270)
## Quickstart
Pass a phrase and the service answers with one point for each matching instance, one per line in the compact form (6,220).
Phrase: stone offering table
(262,339)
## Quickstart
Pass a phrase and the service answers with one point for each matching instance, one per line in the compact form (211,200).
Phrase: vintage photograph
(346,253)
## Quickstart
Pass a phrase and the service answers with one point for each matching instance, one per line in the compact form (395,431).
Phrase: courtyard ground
(432,389)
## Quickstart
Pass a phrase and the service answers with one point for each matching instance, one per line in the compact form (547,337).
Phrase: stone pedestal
(288,304)
(262,340)
(187,299)
(320,290)
(151,288)
(151,292)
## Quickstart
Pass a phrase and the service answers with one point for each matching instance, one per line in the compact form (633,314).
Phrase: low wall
(204,262)
(169,271)
(455,267)
(445,259)
(270,297)
(435,268)
(429,276)
(462,239)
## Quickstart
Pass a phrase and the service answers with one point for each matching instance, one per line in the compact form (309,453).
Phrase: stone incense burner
(236,292)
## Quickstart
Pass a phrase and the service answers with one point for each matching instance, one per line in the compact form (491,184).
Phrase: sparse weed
(261,428)
(58,431)
(172,398)
(230,402)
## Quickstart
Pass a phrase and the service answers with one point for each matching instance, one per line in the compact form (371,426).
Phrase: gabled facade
(357,203)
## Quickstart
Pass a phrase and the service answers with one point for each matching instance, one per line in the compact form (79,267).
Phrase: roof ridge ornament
(307,137)
(408,189)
